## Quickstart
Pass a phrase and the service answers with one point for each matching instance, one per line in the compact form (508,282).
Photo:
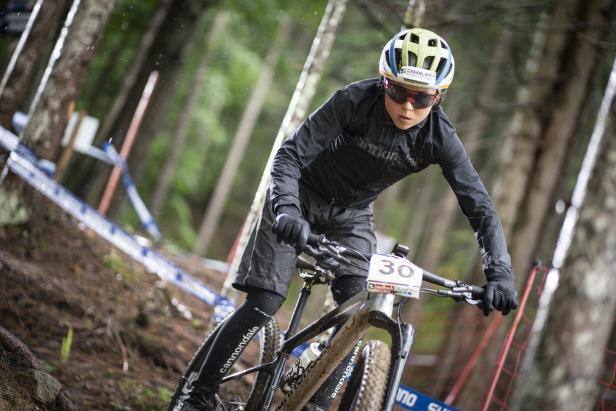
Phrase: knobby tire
(270,343)
(367,386)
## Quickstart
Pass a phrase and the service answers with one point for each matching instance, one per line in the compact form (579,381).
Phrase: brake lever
(335,253)
(470,300)
(314,251)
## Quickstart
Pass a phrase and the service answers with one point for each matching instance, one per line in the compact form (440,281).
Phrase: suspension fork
(402,340)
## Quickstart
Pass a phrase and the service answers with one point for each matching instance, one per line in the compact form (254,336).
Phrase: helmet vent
(441,66)
(428,62)
(432,43)
(414,38)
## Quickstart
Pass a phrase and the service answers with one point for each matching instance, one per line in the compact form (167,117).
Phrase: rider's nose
(408,104)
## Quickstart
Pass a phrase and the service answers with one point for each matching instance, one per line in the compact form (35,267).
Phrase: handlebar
(319,245)
(313,239)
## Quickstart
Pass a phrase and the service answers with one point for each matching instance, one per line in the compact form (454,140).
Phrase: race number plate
(394,275)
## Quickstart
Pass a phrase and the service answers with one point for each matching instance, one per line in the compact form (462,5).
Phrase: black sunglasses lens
(422,100)
(400,95)
(397,93)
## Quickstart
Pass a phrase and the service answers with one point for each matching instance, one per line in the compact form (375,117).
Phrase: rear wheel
(269,341)
(367,386)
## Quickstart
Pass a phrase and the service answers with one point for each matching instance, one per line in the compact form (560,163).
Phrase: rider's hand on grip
(500,294)
(291,227)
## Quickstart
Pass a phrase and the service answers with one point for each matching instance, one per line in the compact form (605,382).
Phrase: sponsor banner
(418,74)
(414,400)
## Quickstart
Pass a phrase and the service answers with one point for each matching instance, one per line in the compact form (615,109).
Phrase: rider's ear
(439,98)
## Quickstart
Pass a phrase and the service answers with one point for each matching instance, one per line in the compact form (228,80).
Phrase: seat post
(299,306)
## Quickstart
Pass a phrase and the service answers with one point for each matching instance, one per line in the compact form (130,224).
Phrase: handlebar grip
(477,292)
(313,239)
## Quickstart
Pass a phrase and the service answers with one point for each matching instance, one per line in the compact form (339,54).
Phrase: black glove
(291,227)
(500,294)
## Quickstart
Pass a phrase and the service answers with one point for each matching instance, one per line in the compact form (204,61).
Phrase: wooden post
(128,142)
(68,151)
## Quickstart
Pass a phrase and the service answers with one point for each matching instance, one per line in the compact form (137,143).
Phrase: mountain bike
(373,383)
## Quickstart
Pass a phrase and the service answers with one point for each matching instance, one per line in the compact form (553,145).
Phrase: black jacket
(349,150)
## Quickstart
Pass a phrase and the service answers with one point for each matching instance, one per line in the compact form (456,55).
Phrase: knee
(262,300)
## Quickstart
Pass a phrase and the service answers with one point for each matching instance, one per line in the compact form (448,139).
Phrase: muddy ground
(129,343)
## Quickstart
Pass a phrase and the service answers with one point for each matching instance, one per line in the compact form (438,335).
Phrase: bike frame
(367,309)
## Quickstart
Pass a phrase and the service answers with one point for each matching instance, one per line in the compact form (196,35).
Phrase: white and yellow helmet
(418,57)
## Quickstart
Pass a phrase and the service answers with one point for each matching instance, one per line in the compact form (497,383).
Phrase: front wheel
(367,386)
(269,341)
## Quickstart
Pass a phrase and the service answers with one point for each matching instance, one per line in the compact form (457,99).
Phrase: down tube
(401,347)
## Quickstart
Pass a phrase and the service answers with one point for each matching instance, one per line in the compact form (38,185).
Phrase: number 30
(404,271)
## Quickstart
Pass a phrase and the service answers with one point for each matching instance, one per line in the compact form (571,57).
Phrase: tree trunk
(414,14)
(90,99)
(162,188)
(524,130)
(20,72)
(304,92)
(64,75)
(518,151)
(240,140)
(182,20)
(167,55)
(582,310)
(420,201)
(133,73)
(580,60)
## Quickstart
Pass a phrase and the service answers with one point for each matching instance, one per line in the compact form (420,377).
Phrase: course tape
(20,162)
(142,211)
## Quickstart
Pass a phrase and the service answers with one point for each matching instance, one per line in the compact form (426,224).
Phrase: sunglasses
(401,95)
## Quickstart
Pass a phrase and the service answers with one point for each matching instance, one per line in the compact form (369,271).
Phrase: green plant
(143,397)
(65,349)
(119,265)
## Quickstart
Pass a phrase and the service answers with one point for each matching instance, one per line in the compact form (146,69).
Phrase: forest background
(530,76)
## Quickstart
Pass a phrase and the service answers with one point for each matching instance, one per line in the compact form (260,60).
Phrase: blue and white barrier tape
(413,400)
(19,164)
(142,211)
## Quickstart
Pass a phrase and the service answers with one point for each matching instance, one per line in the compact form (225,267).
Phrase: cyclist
(325,178)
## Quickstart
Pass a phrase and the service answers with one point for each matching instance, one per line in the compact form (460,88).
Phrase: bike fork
(401,346)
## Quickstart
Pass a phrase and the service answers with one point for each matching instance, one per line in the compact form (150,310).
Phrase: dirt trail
(129,342)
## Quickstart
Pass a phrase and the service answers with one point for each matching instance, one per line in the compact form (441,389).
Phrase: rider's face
(405,115)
